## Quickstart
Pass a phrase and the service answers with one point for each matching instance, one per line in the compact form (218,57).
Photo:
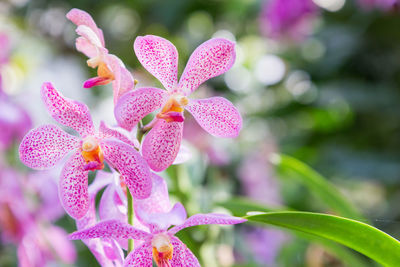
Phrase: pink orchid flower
(46,145)
(159,243)
(108,252)
(216,114)
(91,43)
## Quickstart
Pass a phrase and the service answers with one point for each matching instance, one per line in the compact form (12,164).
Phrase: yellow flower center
(102,69)
(162,250)
(173,108)
(92,154)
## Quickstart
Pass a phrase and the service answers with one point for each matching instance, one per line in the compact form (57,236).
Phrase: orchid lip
(162,249)
(92,154)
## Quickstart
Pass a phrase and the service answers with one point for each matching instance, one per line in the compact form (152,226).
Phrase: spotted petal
(80,17)
(135,105)
(74,186)
(182,256)
(210,218)
(140,257)
(131,165)
(159,57)
(110,229)
(112,133)
(210,59)
(46,145)
(161,145)
(217,116)
(67,112)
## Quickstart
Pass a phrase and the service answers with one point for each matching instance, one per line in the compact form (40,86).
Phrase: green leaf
(291,168)
(359,236)
(240,206)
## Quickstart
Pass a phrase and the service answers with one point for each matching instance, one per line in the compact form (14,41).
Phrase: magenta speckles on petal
(210,218)
(131,165)
(182,256)
(217,116)
(210,59)
(112,133)
(140,257)
(159,57)
(135,105)
(74,187)
(46,145)
(161,144)
(67,112)
(110,229)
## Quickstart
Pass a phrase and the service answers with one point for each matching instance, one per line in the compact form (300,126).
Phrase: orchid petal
(96,246)
(135,105)
(111,133)
(161,145)
(67,112)
(89,35)
(140,257)
(123,80)
(84,46)
(159,222)
(210,59)
(210,218)
(158,201)
(80,17)
(184,155)
(159,57)
(125,84)
(74,186)
(110,229)
(111,206)
(131,165)
(217,116)
(182,256)
(46,145)
(60,244)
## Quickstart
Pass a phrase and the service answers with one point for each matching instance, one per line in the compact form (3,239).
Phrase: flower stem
(131,217)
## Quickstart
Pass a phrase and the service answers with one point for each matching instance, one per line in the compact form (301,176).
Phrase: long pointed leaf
(291,168)
(359,236)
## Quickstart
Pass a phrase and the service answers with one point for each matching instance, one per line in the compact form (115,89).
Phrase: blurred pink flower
(108,252)
(14,121)
(216,114)
(46,145)
(91,43)
(287,18)
(204,143)
(159,243)
(5,48)
(259,183)
(385,5)
(23,224)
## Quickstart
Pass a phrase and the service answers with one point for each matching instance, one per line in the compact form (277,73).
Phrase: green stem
(131,217)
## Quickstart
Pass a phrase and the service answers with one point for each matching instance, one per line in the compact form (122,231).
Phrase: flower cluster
(133,164)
